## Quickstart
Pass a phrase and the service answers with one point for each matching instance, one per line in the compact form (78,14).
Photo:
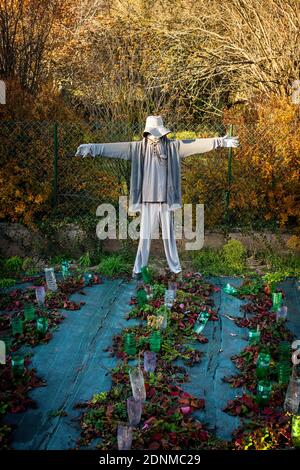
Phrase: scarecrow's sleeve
(114,150)
(195,146)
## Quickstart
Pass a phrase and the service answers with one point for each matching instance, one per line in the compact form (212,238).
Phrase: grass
(115,265)
(230,260)
(211,262)
(288,262)
(214,262)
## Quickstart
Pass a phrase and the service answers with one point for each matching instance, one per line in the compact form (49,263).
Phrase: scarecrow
(155,182)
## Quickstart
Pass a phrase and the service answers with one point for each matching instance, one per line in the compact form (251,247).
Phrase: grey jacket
(134,151)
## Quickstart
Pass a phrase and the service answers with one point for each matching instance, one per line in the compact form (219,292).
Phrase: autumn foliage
(265,169)
(99,67)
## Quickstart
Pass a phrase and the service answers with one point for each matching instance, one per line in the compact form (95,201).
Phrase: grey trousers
(152,215)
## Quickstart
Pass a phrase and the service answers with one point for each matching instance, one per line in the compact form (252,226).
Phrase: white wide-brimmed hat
(155,126)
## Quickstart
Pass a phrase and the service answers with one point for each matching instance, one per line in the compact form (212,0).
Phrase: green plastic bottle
(146,275)
(29,312)
(155,341)
(42,325)
(17,326)
(141,297)
(263,365)
(130,344)
(264,389)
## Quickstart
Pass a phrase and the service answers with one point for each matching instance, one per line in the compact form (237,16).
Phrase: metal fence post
(55,164)
(229,179)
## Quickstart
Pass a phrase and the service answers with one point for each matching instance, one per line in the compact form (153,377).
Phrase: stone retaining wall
(71,239)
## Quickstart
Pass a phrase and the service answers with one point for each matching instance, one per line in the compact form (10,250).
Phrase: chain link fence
(41,177)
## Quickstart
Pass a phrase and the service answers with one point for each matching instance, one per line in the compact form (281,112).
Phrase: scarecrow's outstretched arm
(113,150)
(195,146)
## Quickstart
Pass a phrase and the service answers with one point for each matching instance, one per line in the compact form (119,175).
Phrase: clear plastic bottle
(292,397)
(137,383)
(40,295)
(50,279)
(169,298)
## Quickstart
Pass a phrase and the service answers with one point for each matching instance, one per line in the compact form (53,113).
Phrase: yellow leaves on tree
(268,159)
(265,169)
(22,205)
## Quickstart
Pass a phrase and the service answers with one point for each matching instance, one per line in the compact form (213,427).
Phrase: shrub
(234,253)
(7,282)
(230,260)
(29,266)
(209,262)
